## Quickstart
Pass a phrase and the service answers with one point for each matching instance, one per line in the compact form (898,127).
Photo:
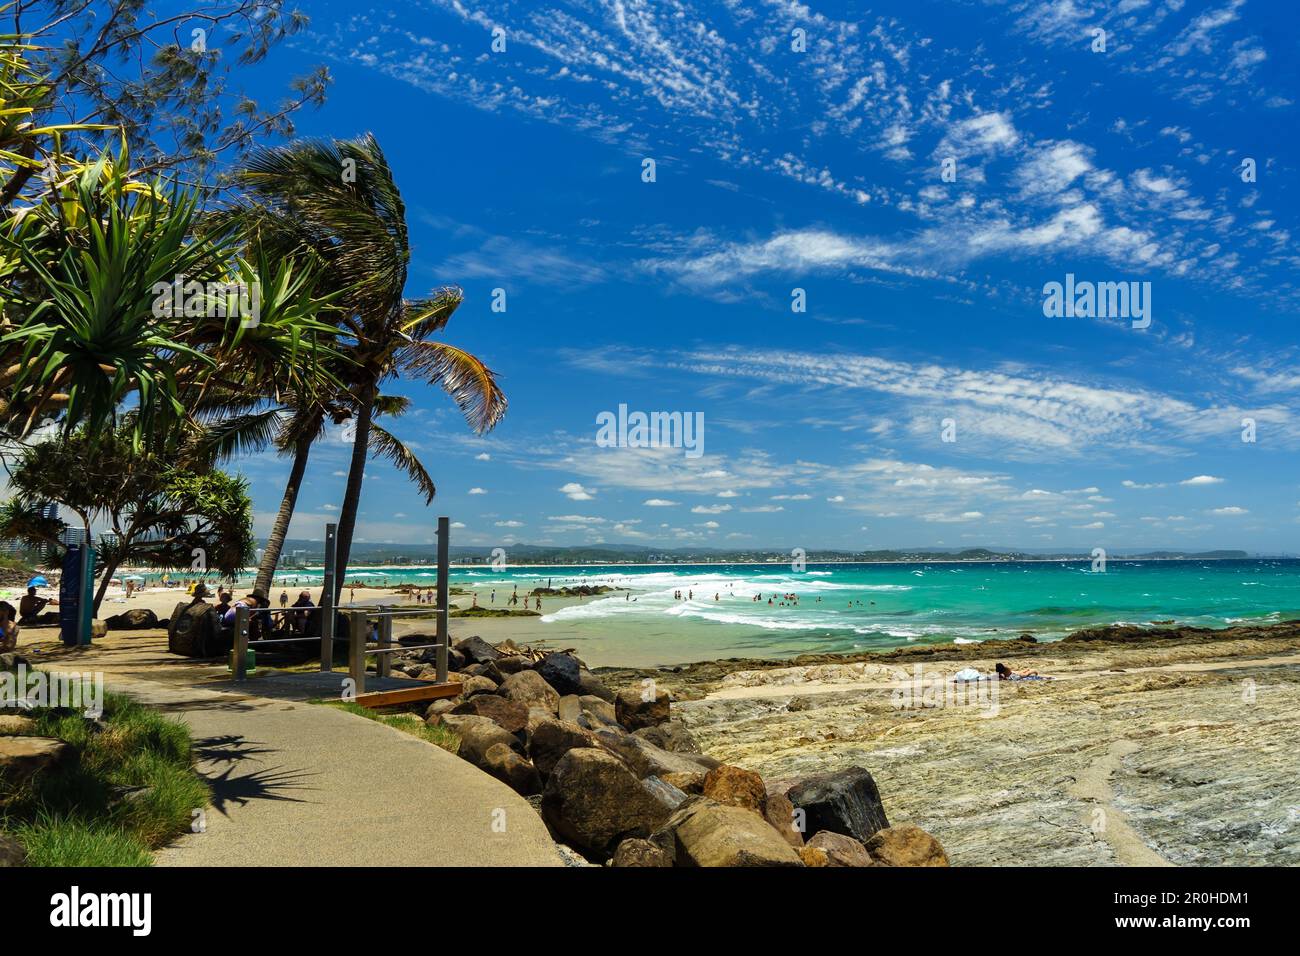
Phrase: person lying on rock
(1006,673)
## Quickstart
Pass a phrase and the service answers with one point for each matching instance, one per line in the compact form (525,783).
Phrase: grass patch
(128,788)
(437,735)
(55,841)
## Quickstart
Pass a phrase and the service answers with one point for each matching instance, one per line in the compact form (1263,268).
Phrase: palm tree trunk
(275,543)
(352,496)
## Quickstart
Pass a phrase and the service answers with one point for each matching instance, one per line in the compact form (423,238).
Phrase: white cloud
(576,492)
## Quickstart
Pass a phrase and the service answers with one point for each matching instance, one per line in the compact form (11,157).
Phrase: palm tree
(338,200)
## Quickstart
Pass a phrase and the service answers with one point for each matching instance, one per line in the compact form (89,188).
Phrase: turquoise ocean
(848,607)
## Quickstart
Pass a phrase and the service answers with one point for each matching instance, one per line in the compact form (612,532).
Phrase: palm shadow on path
(239,789)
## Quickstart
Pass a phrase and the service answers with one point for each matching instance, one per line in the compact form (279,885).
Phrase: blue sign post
(77,595)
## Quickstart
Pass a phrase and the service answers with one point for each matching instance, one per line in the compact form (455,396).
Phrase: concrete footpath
(298,784)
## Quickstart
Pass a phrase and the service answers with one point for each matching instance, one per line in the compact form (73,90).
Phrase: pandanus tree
(339,201)
(116,299)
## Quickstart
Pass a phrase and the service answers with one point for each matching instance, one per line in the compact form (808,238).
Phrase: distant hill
(312,552)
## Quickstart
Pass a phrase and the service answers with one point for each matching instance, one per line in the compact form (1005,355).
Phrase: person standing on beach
(284,600)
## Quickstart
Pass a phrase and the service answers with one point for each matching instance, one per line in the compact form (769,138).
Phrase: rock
(638,852)
(663,791)
(561,672)
(845,801)
(477,650)
(550,739)
(672,736)
(137,618)
(21,758)
(98,631)
(906,845)
(597,710)
(473,670)
(509,715)
(531,690)
(779,813)
(593,801)
(444,706)
(812,856)
(645,759)
(707,833)
(633,711)
(477,735)
(476,685)
(736,788)
(589,685)
(512,770)
(11,662)
(687,781)
(13,854)
(570,708)
(455,659)
(512,663)
(840,849)
(16,724)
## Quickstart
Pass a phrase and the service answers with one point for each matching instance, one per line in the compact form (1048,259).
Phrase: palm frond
(387,445)
(461,375)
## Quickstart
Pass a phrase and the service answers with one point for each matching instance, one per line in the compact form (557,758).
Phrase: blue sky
(778,169)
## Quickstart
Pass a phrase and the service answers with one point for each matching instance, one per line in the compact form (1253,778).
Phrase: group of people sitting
(263,624)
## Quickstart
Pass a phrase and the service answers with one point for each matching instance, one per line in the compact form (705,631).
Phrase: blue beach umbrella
(38,582)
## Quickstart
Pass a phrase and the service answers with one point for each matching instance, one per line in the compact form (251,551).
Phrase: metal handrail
(358,618)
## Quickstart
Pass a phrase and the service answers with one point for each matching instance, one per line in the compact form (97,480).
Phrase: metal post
(357,650)
(327,601)
(385,640)
(444,539)
(239,666)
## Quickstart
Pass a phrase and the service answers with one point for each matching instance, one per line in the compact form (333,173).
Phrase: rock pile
(618,779)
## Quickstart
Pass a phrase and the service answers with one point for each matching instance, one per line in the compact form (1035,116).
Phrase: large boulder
(477,650)
(592,686)
(663,791)
(597,710)
(470,686)
(509,715)
(21,758)
(635,708)
(512,770)
(570,709)
(736,787)
(136,619)
(637,852)
(845,801)
(593,801)
(513,663)
(779,812)
(645,759)
(434,711)
(688,781)
(16,724)
(703,832)
(478,735)
(840,850)
(672,735)
(550,739)
(906,845)
(12,853)
(561,672)
(531,690)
